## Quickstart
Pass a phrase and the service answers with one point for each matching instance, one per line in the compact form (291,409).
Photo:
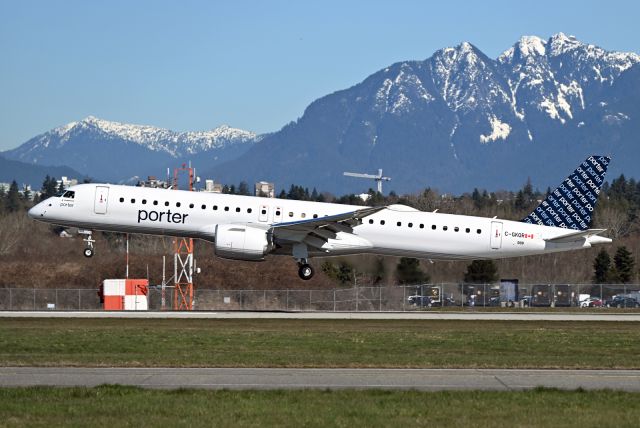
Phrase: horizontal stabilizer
(578,235)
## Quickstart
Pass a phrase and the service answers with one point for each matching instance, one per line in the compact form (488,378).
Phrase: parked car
(417,300)
(446,301)
(591,302)
(622,302)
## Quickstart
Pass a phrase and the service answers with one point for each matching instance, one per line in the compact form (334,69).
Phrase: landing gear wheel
(305,271)
(88,252)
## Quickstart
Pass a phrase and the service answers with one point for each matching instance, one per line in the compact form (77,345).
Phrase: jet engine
(241,242)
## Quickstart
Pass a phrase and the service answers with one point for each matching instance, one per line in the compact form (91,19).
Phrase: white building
(265,189)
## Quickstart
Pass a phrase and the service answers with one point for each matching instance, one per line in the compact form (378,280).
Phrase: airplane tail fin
(571,205)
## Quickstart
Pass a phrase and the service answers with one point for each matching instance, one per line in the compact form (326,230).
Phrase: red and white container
(125,294)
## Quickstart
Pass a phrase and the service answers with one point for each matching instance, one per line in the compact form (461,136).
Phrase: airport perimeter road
(417,315)
(247,378)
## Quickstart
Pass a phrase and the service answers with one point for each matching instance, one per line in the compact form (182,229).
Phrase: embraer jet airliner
(249,228)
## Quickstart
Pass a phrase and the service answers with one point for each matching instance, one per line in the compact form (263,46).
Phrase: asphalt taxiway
(284,378)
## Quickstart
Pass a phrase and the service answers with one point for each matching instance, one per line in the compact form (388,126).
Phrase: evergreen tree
(409,272)
(60,186)
(243,189)
(623,262)
(602,267)
(520,204)
(481,272)
(13,197)
(26,193)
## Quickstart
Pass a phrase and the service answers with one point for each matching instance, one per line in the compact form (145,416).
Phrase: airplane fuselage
(395,230)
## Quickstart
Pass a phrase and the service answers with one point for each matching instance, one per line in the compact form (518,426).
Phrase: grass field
(318,343)
(126,406)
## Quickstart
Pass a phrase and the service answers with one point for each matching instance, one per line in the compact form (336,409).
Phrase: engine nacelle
(240,242)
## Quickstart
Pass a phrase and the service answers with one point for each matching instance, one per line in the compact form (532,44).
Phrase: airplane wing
(315,232)
(575,236)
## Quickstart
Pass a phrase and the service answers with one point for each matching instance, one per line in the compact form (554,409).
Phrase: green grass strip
(114,406)
(324,343)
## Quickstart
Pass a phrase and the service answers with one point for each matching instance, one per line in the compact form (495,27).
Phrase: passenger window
(190,205)
(133,201)
(277,212)
(144,202)
(479,231)
(215,207)
(178,204)
(315,216)
(263,212)
(237,209)
(226,208)
(249,210)
(456,229)
(290,214)
(467,230)
(410,225)
(421,226)
(155,202)
(382,222)
(433,227)
(303,215)
(204,207)
(166,203)
(370,221)
(399,223)
(121,199)
(444,228)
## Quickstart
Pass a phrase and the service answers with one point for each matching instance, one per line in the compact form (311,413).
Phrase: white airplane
(249,228)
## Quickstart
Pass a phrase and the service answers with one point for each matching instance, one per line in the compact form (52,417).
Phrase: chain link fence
(391,298)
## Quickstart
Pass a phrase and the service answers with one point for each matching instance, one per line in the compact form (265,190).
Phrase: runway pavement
(266,378)
(470,315)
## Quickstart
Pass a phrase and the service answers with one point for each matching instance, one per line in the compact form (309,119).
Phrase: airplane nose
(36,211)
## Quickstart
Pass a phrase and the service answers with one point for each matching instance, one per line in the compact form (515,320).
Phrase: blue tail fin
(572,204)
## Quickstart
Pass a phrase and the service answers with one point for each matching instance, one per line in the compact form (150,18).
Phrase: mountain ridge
(454,121)
(115,151)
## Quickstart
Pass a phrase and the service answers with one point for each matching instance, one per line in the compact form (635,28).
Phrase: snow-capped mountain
(454,121)
(460,120)
(113,151)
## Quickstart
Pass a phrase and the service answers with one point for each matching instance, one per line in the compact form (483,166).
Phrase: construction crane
(378,178)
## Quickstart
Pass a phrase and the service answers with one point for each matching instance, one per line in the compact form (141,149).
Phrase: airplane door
(100,203)
(277,215)
(496,235)
(264,213)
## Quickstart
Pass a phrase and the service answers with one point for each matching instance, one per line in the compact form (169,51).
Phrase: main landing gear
(301,254)
(305,270)
(88,250)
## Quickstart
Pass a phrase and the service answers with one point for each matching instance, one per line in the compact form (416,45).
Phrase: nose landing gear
(88,251)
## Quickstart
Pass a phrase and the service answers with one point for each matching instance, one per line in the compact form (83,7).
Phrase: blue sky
(256,65)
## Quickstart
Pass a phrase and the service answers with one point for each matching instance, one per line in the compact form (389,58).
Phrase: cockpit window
(69,194)
(60,193)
